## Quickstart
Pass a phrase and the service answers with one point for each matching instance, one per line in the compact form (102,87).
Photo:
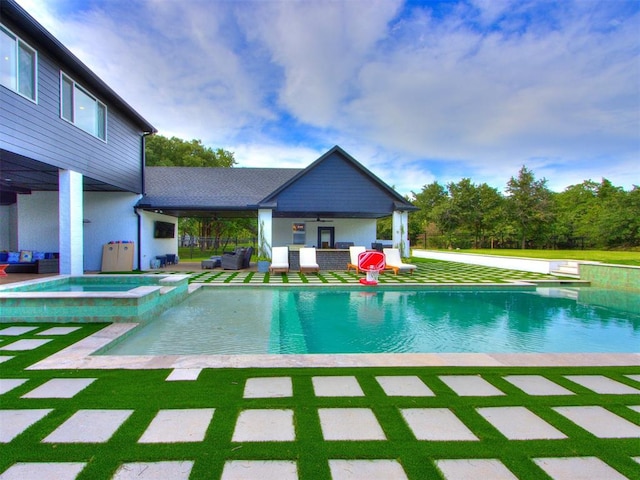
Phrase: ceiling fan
(318,219)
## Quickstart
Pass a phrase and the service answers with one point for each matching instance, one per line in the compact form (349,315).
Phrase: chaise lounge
(279,260)
(308,261)
(354,252)
(394,262)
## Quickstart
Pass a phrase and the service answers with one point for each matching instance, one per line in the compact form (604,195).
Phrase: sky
(415,91)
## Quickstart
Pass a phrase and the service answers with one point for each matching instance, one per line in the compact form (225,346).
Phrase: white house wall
(37,222)
(152,247)
(360,231)
(109,217)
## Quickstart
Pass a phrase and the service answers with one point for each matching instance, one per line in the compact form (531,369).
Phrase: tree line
(458,215)
(528,215)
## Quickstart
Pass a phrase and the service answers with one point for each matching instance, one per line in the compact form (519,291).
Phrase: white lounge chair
(308,261)
(394,262)
(353,255)
(279,260)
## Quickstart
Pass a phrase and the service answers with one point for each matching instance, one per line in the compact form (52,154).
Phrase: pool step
(568,269)
(165,290)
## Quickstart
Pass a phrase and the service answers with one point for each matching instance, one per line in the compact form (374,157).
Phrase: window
(17,65)
(82,109)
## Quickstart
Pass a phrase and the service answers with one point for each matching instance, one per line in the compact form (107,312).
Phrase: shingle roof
(194,188)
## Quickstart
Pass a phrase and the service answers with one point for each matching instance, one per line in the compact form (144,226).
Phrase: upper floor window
(82,109)
(17,65)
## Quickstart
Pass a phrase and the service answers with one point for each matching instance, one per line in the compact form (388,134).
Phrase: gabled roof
(398,200)
(334,185)
(11,10)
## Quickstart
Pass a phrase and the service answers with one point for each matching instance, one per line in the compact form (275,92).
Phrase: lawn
(145,393)
(605,256)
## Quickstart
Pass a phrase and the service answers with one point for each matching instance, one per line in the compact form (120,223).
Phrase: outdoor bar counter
(327,258)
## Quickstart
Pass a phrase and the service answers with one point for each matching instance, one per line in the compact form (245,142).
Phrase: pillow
(38,256)
(26,256)
(13,257)
(4,256)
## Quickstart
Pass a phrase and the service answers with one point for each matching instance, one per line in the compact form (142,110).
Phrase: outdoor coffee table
(212,262)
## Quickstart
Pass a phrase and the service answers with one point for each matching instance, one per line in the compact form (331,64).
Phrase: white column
(400,228)
(71,241)
(265,229)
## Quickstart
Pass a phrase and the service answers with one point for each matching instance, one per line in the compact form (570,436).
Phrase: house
(71,150)
(334,200)
(73,176)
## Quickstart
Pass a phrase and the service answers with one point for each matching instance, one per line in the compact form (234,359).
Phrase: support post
(265,231)
(70,235)
(400,228)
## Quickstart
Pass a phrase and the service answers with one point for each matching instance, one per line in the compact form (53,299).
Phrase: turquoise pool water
(330,320)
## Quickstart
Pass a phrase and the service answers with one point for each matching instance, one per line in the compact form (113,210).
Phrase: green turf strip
(146,392)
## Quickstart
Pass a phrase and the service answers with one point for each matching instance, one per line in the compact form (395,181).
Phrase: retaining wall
(620,277)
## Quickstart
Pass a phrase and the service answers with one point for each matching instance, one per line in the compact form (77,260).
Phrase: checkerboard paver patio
(273,423)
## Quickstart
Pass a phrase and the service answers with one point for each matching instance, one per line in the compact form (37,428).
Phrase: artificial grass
(146,391)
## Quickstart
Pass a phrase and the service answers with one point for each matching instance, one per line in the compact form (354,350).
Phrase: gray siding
(335,185)
(37,131)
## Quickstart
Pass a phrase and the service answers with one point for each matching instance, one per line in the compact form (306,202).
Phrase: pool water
(330,320)
(104,287)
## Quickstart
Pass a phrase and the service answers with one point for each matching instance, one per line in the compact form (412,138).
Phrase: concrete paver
(16,331)
(366,470)
(24,344)
(603,385)
(578,468)
(436,424)
(470,386)
(519,423)
(634,377)
(184,374)
(154,471)
(404,386)
(5,358)
(14,422)
(350,424)
(58,331)
(8,384)
(268,387)
(336,386)
(635,407)
(60,388)
(179,425)
(600,422)
(537,385)
(264,425)
(89,426)
(40,471)
(260,469)
(465,469)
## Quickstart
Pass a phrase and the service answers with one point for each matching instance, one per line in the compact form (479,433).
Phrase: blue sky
(416,91)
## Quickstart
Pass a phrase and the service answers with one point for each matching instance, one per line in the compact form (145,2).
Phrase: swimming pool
(335,320)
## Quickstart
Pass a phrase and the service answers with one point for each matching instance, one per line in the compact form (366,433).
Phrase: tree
(529,205)
(161,151)
(429,201)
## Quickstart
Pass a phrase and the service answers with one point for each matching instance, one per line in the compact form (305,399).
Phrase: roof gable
(336,185)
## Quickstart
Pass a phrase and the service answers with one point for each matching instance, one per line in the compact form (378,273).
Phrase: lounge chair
(237,260)
(353,255)
(308,261)
(279,260)
(394,262)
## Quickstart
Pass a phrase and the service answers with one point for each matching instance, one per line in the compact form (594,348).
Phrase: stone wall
(619,277)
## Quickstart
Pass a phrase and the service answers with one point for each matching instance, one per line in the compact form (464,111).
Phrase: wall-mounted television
(164,230)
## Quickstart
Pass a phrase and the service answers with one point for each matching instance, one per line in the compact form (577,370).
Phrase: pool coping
(80,356)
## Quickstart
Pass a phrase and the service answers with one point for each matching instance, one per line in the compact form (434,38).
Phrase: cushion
(38,256)
(13,257)
(3,256)
(26,256)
